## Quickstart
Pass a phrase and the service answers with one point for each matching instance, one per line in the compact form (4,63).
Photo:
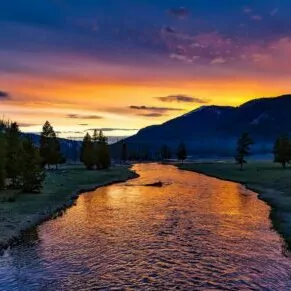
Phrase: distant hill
(69,148)
(213,130)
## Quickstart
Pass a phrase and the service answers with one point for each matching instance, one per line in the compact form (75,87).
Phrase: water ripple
(195,233)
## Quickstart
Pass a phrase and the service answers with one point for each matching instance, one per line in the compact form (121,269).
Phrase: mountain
(69,148)
(213,130)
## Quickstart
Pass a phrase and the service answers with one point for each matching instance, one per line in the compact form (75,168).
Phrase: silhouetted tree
(101,151)
(133,156)
(282,151)
(87,152)
(13,153)
(124,155)
(181,152)
(96,148)
(32,174)
(50,149)
(144,154)
(95,151)
(165,152)
(243,149)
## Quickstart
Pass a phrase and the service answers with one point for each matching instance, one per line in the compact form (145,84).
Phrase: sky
(120,65)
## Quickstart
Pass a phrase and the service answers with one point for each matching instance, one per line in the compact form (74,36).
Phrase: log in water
(194,233)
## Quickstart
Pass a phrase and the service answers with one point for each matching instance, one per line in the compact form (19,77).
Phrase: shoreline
(54,211)
(280,219)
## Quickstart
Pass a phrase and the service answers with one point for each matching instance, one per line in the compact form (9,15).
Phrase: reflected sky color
(195,233)
(88,64)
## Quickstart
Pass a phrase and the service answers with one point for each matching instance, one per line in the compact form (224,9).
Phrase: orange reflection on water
(193,230)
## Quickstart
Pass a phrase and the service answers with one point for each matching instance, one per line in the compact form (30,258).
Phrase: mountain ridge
(214,129)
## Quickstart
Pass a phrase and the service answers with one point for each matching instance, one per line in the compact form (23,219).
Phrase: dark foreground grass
(60,190)
(269,180)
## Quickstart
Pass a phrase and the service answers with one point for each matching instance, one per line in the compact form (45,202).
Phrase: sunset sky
(121,65)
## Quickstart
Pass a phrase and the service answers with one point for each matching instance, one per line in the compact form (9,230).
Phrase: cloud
(180,12)
(153,114)
(182,98)
(247,10)
(78,116)
(184,58)
(4,95)
(24,124)
(274,11)
(112,129)
(69,131)
(201,48)
(148,111)
(217,61)
(257,17)
(168,29)
(155,109)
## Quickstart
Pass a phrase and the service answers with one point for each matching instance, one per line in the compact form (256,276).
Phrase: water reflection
(196,233)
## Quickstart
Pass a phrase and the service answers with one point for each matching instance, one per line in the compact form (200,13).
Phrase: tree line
(95,151)
(281,150)
(20,160)
(165,153)
(23,164)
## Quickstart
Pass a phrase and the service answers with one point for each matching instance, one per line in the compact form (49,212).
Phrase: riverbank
(61,189)
(269,180)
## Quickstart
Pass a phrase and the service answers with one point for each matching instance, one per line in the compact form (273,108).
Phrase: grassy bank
(60,190)
(269,180)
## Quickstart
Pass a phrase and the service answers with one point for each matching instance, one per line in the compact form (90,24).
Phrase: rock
(156,184)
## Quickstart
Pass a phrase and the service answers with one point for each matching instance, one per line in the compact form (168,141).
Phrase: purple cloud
(247,10)
(182,98)
(180,12)
(152,111)
(4,95)
(77,116)
(274,11)
(152,108)
(257,17)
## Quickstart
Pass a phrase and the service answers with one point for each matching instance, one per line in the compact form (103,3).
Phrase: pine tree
(101,155)
(96,148)
(145,154)
(2,159)
(102,152)
(243,149)
(32,174)
(181,152)
(282,151)
(87,152)
(13,154)
(105,160)
(50,149)
(124,154)
(165,152)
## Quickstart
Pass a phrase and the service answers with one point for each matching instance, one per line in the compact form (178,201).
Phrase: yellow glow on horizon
(35,100)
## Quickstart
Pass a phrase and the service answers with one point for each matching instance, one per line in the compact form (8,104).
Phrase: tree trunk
(284,165)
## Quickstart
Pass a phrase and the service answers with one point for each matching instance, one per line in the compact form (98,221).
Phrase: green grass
(268,179)
(59,186)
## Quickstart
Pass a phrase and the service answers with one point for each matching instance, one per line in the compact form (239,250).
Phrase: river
(194,233)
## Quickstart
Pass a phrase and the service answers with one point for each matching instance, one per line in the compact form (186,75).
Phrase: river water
(194,233)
